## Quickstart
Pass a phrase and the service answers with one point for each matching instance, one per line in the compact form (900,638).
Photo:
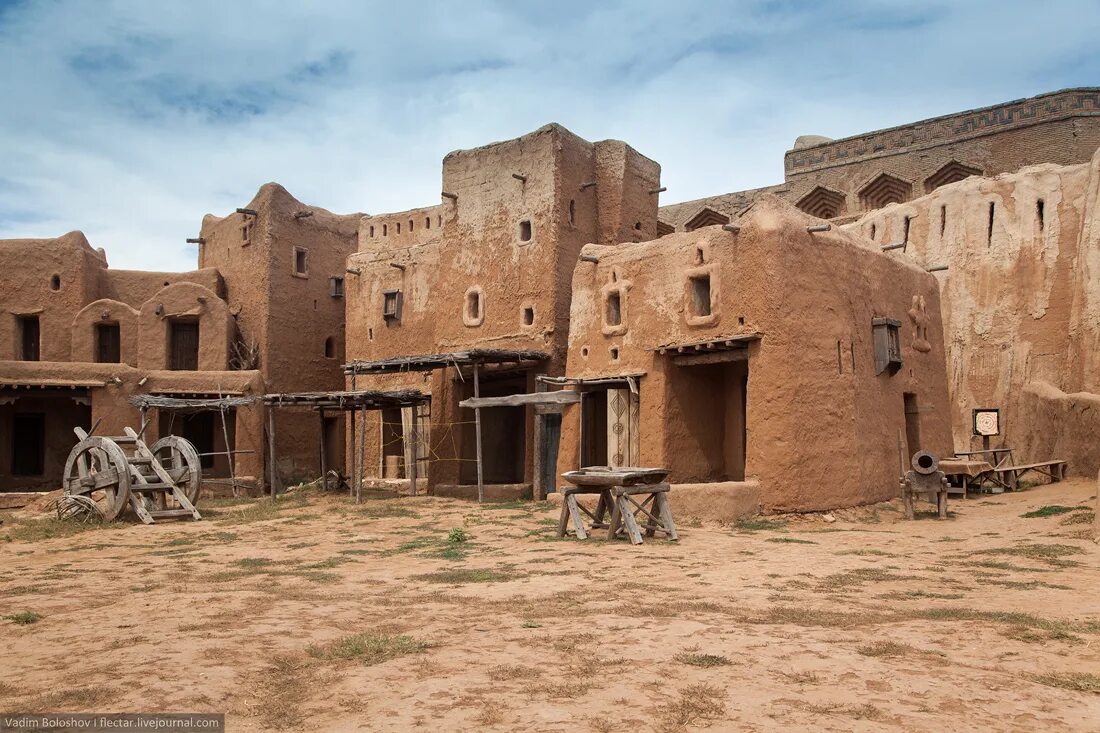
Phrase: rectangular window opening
(525,230)
(391,305)
(473,305)
(336,287)
(614,308)
(183,345)
(108,347)
(943,219)
(700,295)
(989,230)
(1039,214)
(30,337)
(301,261)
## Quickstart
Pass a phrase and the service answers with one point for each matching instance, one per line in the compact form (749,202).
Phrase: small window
(637,226)
(398,227)
(1039,206)
(30,337)
(528,316)
(873,230)
(330,348)
(427,222)
(336,287)
(525,230)
(887,340)
(410,225)
(614,311)
(700,295)
(614,353)
(246,231)
(55,281)
(473,305)
(385,230)
(391,305)
(943,219)
(108,338)
(301,261)
(989,231)
(572,211)
(372,230)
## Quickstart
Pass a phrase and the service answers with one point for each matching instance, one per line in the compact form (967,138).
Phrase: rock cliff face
(1020,297)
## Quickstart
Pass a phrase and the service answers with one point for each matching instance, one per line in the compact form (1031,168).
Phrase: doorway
(609,426)
(711,402)
(503,434)
(183,344)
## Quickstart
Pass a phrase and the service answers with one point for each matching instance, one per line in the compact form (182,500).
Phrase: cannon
(925,479)
(161,481)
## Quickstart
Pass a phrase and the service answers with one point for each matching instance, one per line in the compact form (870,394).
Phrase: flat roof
(428,362)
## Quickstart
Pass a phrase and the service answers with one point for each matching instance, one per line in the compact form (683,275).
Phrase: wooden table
(974,473)
(617,489)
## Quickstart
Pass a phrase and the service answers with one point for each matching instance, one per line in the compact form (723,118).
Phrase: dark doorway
(334,443)
(912,425)
(183,345)
(594,428)
(28,444)
(393,444)
(108,349)
(503,434)
(30,337)
(204,431)
(712,400)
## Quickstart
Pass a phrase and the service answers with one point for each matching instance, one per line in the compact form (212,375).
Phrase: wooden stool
(571,510)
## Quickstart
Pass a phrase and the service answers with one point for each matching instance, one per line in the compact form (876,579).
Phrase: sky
(131,120)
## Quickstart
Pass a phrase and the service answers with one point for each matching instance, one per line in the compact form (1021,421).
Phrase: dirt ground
(316,614)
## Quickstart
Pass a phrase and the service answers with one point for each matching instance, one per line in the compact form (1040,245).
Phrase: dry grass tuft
(887,649)
(702,660)
(1076,681)
(368,648)
(696,706)
(508,672)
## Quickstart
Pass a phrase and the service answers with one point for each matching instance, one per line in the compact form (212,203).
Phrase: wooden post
(362,440)
(324,448)
(477,433)
(229,456)
(272,478)
(539,439)
(1096,523)
(351,456)
(412,468)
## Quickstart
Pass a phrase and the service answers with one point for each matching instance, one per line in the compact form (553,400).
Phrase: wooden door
(622,428)
(184,346)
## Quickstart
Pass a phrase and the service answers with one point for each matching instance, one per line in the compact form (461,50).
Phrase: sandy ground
(317,614)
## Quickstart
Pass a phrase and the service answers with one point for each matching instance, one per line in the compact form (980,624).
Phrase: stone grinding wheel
(175,453)
(97,468)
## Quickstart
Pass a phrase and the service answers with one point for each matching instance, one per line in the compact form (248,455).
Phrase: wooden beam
(560,397)
(272,479)
(412,467)
(324,449)
(477,434)
(715,357)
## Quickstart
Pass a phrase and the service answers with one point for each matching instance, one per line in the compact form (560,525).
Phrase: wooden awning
(561,397)
(362,399)
(189,403)
(720,343)
(429,362)
(45,383)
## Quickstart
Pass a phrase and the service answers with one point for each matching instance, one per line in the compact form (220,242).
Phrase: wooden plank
(575,515)
(324,450)
(626,513)
(717,357)
(666,516)
(271,477)
(560,397)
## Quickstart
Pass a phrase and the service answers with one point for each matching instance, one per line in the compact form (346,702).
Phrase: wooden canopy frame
(351,401)
(430,362)
(196,404)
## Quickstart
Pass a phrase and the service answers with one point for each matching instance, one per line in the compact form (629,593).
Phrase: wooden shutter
(184,346)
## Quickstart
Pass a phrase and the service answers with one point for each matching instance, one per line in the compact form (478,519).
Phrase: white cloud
(130,120)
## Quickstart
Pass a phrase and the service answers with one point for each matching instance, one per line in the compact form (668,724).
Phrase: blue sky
(130,120)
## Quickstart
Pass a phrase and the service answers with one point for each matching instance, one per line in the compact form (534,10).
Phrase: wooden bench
(1010,475)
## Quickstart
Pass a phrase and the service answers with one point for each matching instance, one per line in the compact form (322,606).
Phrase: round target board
(987,422)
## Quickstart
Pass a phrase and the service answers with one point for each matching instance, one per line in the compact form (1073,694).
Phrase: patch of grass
(1076,681)
(865,551)
(801,616)
(419,543)
(756,524)
(910,594)
(1050,554)
(791,540)
(1051,510)
(859,576)
(887,649)
(507,672)
(457,536)
(802,678)
(1085,517)
(531,625)
(702,660)
(37,530)
(466,575)
(695,706)
(24,618)
(450,553)
(356,552)
(368,648)
(1015,618)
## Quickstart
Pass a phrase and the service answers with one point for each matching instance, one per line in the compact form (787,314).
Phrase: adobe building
(764,364)
(841,179)
(78,340)
(1021,301)
(488,268)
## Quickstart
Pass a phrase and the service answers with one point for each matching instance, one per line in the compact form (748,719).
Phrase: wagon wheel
(97,468)
(176,453)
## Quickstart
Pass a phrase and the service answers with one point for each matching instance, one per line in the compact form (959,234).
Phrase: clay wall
(822,427)
(524,208)
(1062,127)
(1019,297)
